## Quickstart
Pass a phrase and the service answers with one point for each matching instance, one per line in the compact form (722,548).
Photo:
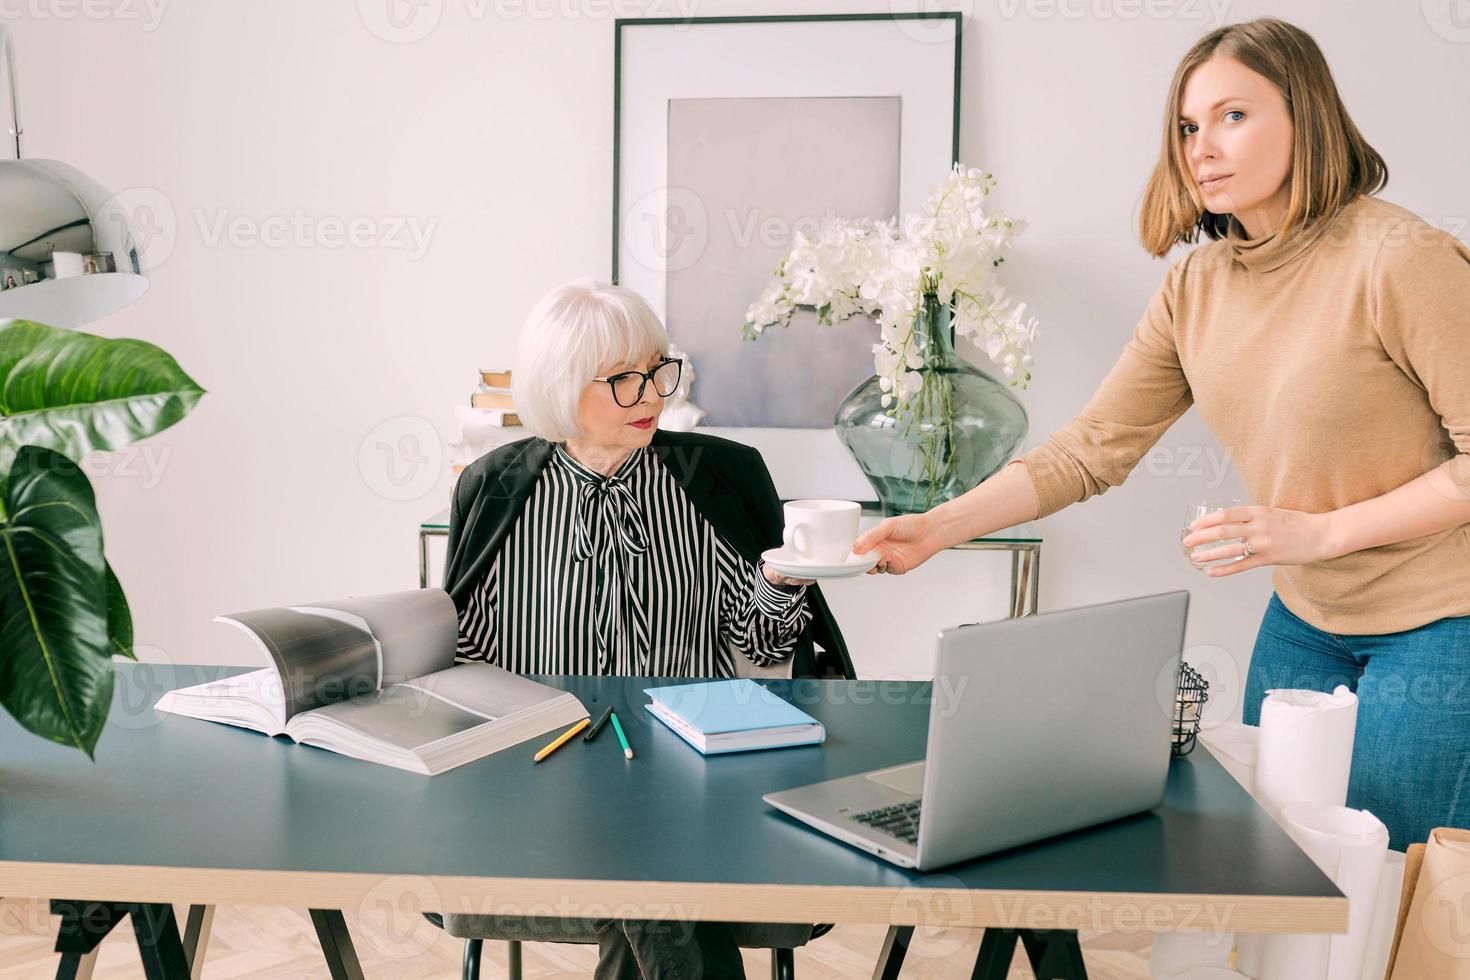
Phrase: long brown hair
(1331,162)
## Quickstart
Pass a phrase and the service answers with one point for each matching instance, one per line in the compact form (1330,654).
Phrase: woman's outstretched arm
(1145,392)
(904,543)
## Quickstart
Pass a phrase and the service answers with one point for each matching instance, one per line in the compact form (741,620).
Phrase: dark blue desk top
(196,811)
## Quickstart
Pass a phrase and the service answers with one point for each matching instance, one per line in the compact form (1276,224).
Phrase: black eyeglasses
(627,386)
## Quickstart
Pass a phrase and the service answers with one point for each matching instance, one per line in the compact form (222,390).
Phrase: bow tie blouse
(621,575)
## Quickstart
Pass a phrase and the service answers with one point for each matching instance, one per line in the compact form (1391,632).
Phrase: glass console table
(1023,542)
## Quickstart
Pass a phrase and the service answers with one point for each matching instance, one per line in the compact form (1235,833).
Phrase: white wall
(492,135)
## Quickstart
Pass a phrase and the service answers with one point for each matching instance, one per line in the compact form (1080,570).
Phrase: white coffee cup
(821,531)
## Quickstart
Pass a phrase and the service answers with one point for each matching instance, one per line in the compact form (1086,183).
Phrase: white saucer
(791,566)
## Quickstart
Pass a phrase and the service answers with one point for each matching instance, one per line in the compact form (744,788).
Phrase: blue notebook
(732,716)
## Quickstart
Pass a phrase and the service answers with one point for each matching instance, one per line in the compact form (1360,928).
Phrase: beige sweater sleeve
(1142,396)
(1420,300)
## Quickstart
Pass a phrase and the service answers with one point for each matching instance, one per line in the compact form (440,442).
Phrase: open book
(374,678)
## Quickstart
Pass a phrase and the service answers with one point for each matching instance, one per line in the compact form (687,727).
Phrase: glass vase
(962,425)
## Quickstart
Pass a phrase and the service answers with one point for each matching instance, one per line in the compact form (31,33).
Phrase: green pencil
(618,727)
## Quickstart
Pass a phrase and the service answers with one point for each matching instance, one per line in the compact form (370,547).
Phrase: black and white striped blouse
(621,575)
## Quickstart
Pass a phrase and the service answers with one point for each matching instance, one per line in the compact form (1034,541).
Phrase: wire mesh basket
(1189,706)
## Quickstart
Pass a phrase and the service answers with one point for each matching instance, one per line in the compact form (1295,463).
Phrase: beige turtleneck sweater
(1333,367)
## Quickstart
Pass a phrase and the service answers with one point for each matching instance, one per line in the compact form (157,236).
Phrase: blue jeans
(1411,756)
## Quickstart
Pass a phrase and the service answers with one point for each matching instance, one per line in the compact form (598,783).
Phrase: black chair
(780,939)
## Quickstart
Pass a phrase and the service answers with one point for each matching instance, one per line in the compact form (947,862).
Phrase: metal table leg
(196,937)
(1035,556)
(895,948)
(1022,586)
(336,942)
(1055,954)
(85,924)
(1015,584)
(423,560)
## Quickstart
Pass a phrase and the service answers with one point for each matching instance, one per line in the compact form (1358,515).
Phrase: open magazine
(374,677)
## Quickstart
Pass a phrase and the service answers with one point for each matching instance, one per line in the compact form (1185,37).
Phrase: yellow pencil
(562,739)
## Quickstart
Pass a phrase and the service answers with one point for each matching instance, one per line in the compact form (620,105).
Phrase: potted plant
(928,425)
(63,613)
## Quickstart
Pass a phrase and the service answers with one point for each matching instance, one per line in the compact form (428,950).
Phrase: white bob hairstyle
(580,330)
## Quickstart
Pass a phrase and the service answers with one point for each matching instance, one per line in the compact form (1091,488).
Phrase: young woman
(1324,336)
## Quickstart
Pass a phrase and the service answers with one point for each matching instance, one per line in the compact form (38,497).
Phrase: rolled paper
(1250,952)
(1350,847)
(1235,746)
(1306,748)
(1176,952)
(1294,957)
(1385,917)
(1436,940)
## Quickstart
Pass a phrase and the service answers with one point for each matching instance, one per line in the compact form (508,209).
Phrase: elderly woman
(602,545)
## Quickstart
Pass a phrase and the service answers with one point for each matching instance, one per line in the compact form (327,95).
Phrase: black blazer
(727,483)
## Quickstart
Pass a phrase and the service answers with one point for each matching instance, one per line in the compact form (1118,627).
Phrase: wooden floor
(273,943)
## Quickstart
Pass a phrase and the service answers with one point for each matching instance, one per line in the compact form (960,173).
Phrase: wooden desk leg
(336,942)
(895,948)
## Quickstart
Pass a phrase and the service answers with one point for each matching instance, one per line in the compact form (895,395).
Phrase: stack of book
(487,422)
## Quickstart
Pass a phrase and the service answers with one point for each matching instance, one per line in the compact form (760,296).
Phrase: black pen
(597,725)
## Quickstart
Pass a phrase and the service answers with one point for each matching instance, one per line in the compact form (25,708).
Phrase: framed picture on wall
(730,136)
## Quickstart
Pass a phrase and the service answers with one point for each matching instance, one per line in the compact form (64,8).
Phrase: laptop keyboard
(900,820)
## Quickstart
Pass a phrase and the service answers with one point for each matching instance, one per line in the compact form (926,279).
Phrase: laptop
(1038,726)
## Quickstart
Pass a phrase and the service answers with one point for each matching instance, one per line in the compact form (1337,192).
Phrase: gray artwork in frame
(730,133)
(812,157)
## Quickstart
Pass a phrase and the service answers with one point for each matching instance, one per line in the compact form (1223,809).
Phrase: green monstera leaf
(119,617)
(55,644)
(75,392)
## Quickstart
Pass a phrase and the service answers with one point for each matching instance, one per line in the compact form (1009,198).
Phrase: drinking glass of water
(1196,510)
